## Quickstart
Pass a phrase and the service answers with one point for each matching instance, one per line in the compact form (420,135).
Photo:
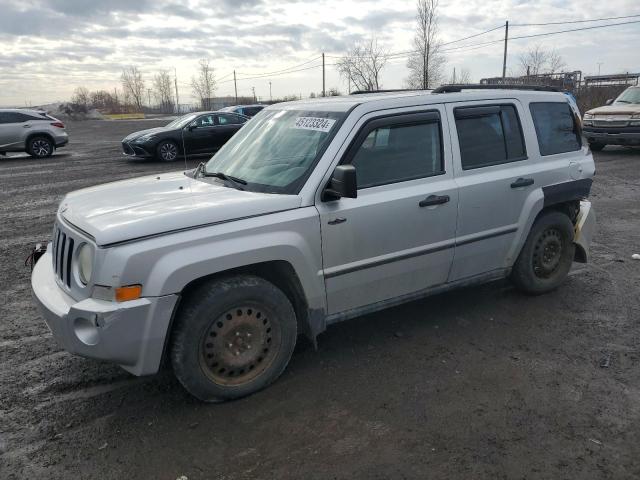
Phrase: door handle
(336,221)
(522,182)
(434,200)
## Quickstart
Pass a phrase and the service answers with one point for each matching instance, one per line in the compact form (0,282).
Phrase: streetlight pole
(270,97)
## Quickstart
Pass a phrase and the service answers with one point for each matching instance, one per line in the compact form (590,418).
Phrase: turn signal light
(130,292)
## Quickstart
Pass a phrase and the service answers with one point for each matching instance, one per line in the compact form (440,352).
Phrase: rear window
(489,135)
(557,128)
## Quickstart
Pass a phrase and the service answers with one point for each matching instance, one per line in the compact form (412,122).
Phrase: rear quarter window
(556,127)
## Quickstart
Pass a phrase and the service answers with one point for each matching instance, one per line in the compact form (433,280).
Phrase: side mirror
(192,126)
(343,183)
(609,102)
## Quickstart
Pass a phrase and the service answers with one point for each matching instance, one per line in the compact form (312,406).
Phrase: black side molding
(567,191)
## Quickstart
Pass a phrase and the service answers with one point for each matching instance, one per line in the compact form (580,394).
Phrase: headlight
(588,116)
(85,263)
(144,138)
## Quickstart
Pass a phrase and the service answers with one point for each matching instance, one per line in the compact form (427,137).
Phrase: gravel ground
(478,383)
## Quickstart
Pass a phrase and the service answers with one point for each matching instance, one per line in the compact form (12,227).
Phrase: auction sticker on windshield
(314,123)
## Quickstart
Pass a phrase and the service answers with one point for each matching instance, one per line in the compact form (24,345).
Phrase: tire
(596,147)
(232,337)
(547,255)
(167,151)
(40,147)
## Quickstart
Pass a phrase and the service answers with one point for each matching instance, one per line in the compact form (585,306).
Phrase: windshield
(182,121)
(276,151)
(630,95)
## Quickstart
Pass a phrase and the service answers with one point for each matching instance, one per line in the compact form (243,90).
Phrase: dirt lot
(478,383)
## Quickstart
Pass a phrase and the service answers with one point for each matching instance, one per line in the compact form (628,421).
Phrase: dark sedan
(194,134)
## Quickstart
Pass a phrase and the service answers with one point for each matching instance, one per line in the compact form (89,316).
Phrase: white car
(31,131)
(315,212)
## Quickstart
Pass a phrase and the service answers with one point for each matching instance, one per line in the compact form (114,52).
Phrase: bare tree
(460,77)
(133,86)
(537,61)
(204,84)
(81,97)
(362,64)
(163,90)
(426,64)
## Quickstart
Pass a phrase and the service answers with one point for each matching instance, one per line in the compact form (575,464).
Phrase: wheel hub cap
(41,148)
(239,345)
(168,151)
(547,253)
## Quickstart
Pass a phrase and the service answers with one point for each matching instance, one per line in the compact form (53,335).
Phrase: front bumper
(613,136)
(131,334)
(131,149)
(584,230)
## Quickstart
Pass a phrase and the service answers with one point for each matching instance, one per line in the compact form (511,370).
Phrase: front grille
(610,123)
(62,254)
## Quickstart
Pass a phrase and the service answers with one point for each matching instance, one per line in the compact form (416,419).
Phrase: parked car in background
(194,134)
(616,123)
(31,131)
(316,212)
(246,110)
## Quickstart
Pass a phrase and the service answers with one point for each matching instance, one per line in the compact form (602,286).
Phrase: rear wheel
(40,147)
(547,255)
(233,337)
(596,146)
(167,151)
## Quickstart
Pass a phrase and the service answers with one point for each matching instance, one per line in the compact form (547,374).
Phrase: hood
(617,109)
(151,205)
(135,135)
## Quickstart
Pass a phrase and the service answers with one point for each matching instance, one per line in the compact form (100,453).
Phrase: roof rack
(361,92)
(459,88)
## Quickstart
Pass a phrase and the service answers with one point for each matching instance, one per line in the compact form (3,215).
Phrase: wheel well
(278,272)
(36,134)
(570,209)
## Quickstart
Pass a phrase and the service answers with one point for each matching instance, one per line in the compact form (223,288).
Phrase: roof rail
(361,92)
(459,88)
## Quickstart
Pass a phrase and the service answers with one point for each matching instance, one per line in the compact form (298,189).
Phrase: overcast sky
(49,47)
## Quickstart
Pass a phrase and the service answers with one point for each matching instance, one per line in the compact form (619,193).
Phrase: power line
(575,30)
(571,21)
(315,57)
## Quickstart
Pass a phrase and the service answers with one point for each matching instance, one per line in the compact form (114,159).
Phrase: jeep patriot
(315,212)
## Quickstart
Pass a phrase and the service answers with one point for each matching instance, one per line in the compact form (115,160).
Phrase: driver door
(200,134)
(397,237)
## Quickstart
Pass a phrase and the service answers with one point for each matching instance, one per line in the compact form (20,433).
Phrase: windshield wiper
(224,176)
(622,101)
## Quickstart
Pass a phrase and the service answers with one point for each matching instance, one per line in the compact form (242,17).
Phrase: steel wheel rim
(547,253)
(240,345)
(168,151)
(41,148)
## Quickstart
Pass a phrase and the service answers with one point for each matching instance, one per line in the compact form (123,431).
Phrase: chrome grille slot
(62,255)
(610,123)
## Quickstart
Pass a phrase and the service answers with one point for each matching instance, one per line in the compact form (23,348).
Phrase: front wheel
(547,255)
(232,337)
(40,147)
(167,151)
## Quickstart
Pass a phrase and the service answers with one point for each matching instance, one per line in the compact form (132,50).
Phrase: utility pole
(235,86)
(270,97)
(149,96)
(454,75)
(599,64)
(323,92)
(506,39)
(253,89)
(175,77)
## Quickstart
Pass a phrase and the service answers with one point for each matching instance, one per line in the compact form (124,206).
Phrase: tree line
(137,93)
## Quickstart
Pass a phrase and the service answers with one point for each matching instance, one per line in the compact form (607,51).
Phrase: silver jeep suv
(31,131)
(315,212)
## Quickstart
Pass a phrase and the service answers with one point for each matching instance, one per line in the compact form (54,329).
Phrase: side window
(489,135)
(556,128)
(228,119)
(14,117)
(205,121)
(399,150)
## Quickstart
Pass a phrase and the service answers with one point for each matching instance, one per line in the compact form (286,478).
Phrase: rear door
(396,238)
(13,129)
(495,176)
(228,124)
